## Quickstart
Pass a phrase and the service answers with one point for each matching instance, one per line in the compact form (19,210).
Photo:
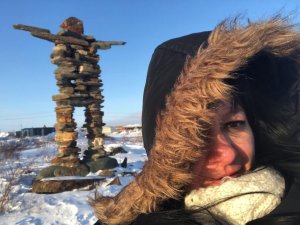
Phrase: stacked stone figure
(79,84)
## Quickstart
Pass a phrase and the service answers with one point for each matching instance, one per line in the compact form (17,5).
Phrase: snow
(70,207)
(133,125)
(3,134)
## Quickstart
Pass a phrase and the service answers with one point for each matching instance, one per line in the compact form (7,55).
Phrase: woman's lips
(219,179)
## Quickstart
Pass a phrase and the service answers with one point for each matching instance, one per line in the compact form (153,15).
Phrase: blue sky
(27,75)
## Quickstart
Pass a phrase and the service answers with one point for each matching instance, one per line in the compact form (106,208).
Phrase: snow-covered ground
(69,207)
(3,134)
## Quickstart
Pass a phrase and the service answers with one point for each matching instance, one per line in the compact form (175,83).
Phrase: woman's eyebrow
(233,112)
(235,108)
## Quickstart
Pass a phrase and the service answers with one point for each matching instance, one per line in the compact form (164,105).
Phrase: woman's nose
(222,151)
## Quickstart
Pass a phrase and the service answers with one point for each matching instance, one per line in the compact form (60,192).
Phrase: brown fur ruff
(181,132)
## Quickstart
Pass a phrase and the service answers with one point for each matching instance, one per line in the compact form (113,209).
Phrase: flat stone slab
(53,185)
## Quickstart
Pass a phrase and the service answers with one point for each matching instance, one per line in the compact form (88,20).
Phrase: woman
(220,126)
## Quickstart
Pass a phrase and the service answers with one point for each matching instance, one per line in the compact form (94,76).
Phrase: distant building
(108,129)
(133,127)
(18,134)
(35,131)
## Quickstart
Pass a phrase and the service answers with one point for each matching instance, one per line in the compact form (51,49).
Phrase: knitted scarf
(238,200)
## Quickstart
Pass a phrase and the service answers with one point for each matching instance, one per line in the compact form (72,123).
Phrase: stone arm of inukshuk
(46,35)
(106,44)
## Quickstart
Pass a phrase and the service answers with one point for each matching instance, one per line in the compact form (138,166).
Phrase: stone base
(56,171)
(57,186)
(56,178)
(68,161)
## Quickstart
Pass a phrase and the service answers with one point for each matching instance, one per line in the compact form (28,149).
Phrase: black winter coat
(271,89)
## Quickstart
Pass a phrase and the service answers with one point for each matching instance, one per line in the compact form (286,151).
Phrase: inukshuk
(79,84)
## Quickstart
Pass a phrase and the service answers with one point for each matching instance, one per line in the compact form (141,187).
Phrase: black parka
(166,65)
(259,63)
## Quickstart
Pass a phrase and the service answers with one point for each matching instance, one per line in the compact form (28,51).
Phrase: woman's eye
(236,124)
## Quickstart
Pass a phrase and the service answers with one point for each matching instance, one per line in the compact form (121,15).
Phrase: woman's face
(231,151)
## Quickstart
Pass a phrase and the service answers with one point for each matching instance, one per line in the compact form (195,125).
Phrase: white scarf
(240,209)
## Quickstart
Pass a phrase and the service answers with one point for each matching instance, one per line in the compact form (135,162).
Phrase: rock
(89,59)
(64,32)
(115,181)
(67,90)
(98,142)
(66,136)
(77,47)
(61,96)
(66,69)
(63,82)
(91,82)
(97,156)
(95,93)
(64,76)
(80,87)
(70,143)
(94,88)
(97,96)
(89,38)
(61,51)
(101,45)
(81,102)
(80,170)
(47,172)
(57,59)
(63,171)
(56,186)
(69,161)
(54,171)
(64,109)
(124,173)
(65,127)
(30,28)
(94,154)
(124,163)
(102,164)
(73,24)
(117,150)
(94,124)
(106,173)
(82,52)
(66,151)
(61,60)
(89,68)
(65,118)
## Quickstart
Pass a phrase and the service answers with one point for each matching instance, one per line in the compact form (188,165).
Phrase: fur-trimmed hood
(179,136)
